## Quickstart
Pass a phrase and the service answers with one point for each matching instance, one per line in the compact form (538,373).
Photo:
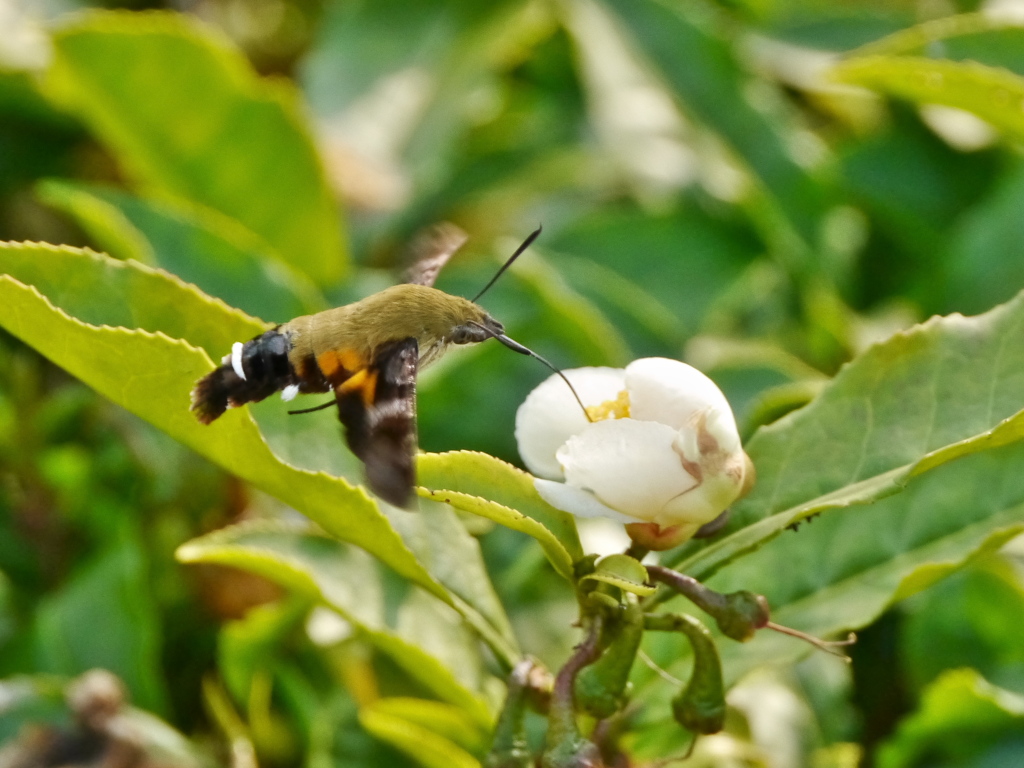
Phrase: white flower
(662,448)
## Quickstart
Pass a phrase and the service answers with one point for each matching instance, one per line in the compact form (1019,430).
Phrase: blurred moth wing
(382,431)
(430,251)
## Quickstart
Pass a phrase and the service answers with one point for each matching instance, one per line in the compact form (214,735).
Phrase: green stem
(637,552)
(509,748)
(700,706)
(601,687)
(738,614)
(565,747)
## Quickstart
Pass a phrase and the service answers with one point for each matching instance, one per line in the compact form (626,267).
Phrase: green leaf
(345,579)
(107,227)
(186,115)
(452,555)
(564,313)
(961,720)
(301,559)
(622,571)
(113,592)
(441,719)
(409,75)
(486,486)
(939,391)
(703,73)
(152,375)
(197,244)
(970,619)
(428,748)
(985,250)
(982,37)
(246,646)
(102,291)
(539,309)
(160,395)
(842,571)
(98,290)
(993,94)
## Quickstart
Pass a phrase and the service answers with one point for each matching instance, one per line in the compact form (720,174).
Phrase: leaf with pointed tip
(151,375)
(842,571)
(98,290)
(109,292)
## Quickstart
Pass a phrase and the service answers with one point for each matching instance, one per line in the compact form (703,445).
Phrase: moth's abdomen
(253,371)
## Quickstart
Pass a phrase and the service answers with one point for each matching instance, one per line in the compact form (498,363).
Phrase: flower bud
(661,451)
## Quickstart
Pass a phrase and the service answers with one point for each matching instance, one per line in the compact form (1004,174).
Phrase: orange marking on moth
(329,363)
(350,359)
(370,388)
(354,382)
(339,365)
(363,381)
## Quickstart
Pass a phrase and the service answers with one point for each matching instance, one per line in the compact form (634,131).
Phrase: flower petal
(550,414)
(631,466)
(717,490)
(673,393)
(576,501)
(602,536)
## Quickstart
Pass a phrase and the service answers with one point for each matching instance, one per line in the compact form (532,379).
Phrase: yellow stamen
(610,409)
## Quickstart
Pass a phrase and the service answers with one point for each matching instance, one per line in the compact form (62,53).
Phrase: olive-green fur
(399,312)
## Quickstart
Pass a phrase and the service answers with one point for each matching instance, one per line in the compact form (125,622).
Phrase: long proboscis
(515,346)
(519,252)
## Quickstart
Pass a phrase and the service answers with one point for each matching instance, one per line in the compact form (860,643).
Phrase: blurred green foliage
(736,184)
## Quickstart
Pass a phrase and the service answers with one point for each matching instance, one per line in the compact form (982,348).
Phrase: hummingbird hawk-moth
(368,354)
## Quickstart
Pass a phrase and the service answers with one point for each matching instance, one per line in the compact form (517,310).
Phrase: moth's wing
(430,251)
(379,416)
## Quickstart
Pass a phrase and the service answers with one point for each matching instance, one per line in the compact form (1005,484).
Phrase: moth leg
(328,404)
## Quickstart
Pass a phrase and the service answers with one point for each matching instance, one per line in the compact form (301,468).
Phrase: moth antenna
(320,407)
(515,346)
(519,251)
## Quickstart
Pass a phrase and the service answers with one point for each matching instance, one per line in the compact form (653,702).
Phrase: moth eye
(467,334)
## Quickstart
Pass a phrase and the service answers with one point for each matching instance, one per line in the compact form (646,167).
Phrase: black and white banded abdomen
(251,372)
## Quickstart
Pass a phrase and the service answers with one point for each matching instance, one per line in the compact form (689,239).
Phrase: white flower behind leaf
(662,453)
